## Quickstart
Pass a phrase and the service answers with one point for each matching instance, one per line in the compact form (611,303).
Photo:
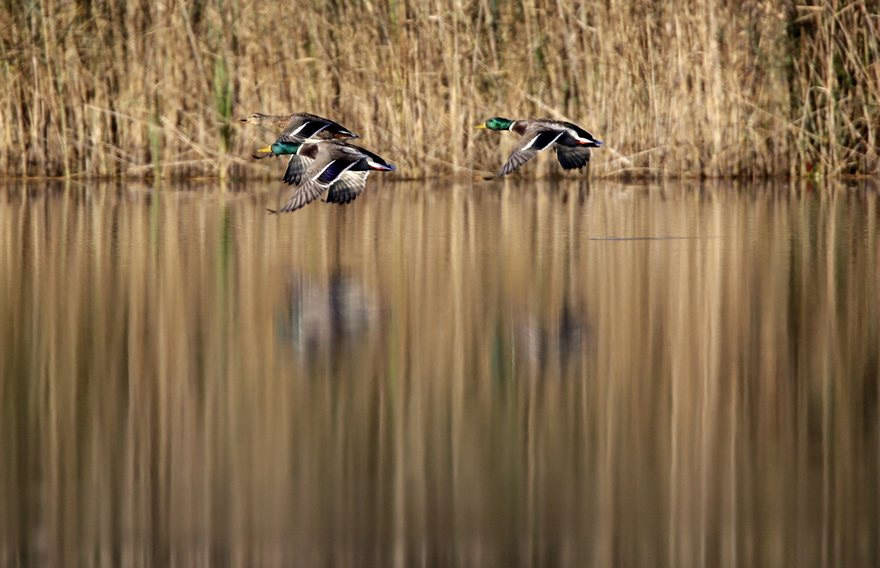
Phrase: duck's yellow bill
(265,149)
(480,126)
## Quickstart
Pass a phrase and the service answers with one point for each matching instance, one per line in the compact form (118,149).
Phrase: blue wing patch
(333,170)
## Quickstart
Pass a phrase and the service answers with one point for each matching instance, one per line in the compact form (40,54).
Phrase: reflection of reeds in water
(706,400)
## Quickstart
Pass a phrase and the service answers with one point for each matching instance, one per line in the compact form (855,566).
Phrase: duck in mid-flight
(572,143)
(338,168)
(298,127)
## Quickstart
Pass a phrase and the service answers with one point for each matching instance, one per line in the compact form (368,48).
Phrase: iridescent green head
(280,148)
(497,123)
(277,149)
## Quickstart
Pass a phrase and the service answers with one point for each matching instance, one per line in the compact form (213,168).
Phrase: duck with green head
(332,166)
(571,142)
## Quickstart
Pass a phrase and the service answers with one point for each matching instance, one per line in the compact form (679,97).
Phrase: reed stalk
(696,88)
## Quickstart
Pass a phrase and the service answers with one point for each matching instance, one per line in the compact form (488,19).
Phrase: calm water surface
(515,375)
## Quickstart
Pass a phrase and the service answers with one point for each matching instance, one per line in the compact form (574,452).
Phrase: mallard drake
(299,127)
(572,143)
(335,167)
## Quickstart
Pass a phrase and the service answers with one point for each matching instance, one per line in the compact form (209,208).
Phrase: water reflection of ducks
(543,341)
(319,316)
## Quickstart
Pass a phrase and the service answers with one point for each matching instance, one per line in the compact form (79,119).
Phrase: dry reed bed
(168,394)
(694,88)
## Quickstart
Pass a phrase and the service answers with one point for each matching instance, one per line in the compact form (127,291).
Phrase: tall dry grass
(688,88)
(452,377)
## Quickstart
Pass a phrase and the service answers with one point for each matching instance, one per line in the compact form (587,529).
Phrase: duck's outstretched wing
(321,174)
(572,157)
(296,167)
(301,196)
(307,126)
(347,187)
(582,136)
(532,142)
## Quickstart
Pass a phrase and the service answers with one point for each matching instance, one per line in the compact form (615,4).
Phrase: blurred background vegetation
(695,88)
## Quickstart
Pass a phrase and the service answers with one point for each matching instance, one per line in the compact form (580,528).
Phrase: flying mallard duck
(572,142)
(339,168)
(299,127)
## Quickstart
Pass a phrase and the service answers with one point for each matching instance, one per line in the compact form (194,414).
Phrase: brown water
(675,375)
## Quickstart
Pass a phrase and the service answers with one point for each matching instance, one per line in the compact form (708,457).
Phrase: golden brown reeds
(691,88)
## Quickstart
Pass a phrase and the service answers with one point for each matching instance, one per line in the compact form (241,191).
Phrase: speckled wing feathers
(296,167)
(347,187)
(302,196)
(320,175)
(534,140)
